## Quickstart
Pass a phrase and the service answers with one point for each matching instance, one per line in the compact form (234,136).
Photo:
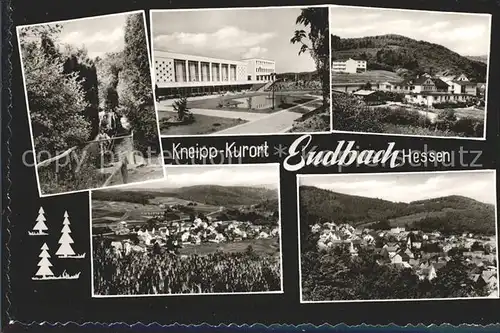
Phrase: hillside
(448,214)
(482,58)
(207,194)
(407,56)
(224,195)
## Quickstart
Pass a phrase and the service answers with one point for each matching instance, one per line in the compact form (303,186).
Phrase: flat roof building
(177,70)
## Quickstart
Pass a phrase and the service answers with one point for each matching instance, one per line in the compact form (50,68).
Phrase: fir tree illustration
(40,226)
(65,250)
(44,271)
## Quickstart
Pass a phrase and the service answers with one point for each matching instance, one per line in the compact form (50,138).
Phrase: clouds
(466,34)
(231,39)
(97,43)
(233,34)
(478,185)
(99,35)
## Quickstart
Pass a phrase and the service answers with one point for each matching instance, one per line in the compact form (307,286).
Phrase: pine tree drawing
(40,226)
(44,271)
(65,250)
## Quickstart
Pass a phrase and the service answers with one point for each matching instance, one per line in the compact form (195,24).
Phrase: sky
(233,34)
(478,185)
(466,34)
(99,35)
(263,175)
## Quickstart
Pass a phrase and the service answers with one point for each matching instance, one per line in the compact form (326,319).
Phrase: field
(368,76)
(202,125)
(260,246)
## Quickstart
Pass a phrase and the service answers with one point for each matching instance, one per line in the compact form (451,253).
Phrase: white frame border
(488,63)
(35,162)
(298,176)
(280,233)
(215,134)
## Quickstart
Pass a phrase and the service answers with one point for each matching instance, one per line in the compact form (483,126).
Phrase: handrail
(55,158)
(70,150)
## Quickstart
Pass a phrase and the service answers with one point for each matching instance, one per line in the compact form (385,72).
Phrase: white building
(260,69)
(199,74)
(349,66)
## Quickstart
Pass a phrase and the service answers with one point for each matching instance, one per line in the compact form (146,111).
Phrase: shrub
(469,126)
(402,116)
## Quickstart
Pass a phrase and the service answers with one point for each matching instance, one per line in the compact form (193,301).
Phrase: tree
(40,225)
(78,62)
(65,249)
(44,263)
(137,95)
(316,42)
(56,100)
(453,280)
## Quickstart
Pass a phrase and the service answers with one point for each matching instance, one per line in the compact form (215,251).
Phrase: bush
(469,126)
(402,116)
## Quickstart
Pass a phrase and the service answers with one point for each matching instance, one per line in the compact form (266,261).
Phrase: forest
(66,90)
(396,53)
(456,214)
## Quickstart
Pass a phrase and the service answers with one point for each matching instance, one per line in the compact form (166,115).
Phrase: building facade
(349,66)
(260,69)
(177,70)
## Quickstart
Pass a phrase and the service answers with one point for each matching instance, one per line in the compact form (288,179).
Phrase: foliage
(316,19)
(335,275)
(352,114)
(137,95)
(180,106)
(165,273)
(56,100)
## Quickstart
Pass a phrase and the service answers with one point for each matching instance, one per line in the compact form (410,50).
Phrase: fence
(120,147)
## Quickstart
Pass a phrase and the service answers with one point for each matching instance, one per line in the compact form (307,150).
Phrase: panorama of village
(417,250)
(193,239)
(410,79)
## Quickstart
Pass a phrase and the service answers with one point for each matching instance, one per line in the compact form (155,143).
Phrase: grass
(414,130)
(202,125)
(260,246)
(470,112)
(368,76)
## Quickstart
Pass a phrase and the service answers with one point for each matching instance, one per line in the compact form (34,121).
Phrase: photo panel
(89,96)
(204,230)
(398,236)
(409,72)
(243,71)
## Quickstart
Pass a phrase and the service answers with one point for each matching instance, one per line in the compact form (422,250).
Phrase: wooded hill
(207,194)
(407,56)
(454,214)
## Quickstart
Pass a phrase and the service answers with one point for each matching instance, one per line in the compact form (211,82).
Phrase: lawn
(202,124)
(213,103)
(470,112)
(368,76)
